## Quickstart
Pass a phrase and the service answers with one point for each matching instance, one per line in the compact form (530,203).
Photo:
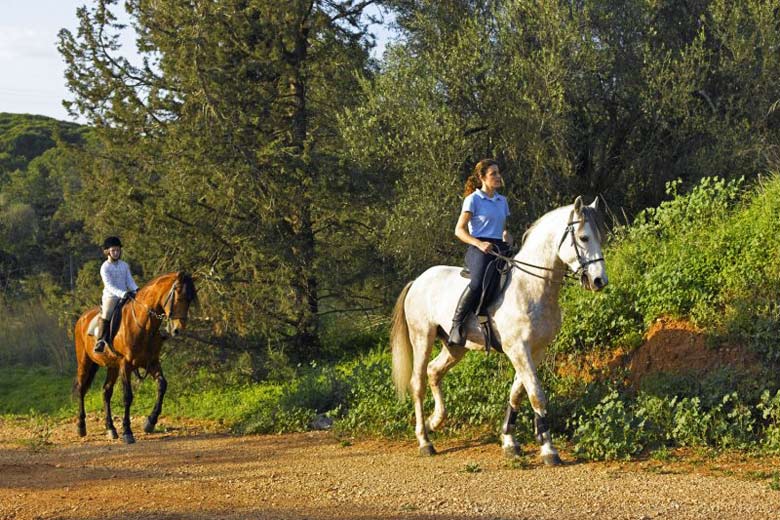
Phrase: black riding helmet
(112,242)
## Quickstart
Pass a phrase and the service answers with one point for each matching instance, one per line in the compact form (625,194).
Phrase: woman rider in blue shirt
(481,225)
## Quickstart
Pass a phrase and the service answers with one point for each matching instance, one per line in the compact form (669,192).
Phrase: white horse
(526,316)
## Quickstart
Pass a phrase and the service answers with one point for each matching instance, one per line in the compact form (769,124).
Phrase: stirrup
(100,346)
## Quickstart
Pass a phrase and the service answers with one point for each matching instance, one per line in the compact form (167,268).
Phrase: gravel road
(192,474)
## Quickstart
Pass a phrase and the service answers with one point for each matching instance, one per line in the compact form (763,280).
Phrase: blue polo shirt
(488,214)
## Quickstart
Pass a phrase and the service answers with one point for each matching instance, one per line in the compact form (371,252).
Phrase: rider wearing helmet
(118,284)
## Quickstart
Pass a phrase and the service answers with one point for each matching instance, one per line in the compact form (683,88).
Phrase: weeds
(472,467)
(41,431)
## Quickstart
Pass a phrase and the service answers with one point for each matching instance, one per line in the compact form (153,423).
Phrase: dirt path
(193,474)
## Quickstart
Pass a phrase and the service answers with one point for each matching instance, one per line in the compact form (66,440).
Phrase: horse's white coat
(527,317)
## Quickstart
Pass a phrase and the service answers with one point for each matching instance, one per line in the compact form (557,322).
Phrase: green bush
(708,255)
(370,404)
(769,406)
(608,431)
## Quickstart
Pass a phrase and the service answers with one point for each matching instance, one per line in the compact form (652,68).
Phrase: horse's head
(580,245)
(177,305)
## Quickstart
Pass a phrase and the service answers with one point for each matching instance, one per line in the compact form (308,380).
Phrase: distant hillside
(24,137)
(38,238)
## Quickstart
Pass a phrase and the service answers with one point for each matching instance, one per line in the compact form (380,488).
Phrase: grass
(42,391)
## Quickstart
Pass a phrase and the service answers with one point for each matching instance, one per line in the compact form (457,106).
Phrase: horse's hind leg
(108,391)
(162,384)
(84,376)
(421,344)
(447,358)
(127,387)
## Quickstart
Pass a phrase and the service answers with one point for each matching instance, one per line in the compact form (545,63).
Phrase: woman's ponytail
(474,181)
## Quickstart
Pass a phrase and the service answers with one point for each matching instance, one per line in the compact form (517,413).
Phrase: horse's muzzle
(176,327)
(595,285)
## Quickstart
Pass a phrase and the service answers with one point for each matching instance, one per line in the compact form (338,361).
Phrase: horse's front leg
(162,384)
(127,432)
(508,441)
(447,358)
(108,391)
(526,378)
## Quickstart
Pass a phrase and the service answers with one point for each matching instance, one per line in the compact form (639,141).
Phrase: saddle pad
(92,327)
(114,321)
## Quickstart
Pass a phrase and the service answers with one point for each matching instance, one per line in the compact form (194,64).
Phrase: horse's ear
(595,203)
(578,205)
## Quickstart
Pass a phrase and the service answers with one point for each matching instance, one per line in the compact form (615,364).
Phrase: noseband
(580,257)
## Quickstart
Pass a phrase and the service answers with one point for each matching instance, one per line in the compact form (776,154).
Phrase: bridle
(165,315)
(576,275)
(577,250)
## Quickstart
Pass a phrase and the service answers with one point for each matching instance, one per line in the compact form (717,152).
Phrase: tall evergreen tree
(215,153)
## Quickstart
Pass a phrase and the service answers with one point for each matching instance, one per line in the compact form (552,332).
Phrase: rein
(164,316)
(520,265)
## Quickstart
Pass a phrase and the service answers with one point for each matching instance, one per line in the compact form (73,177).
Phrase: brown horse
(136,346)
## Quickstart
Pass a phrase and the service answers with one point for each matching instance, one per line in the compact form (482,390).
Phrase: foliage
(218,155)
(621,426)
(608,431)
(769,406)
(31,335)
(36,176)
(612,98)
(704,255)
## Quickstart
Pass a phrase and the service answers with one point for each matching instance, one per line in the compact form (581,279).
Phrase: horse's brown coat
(136,346)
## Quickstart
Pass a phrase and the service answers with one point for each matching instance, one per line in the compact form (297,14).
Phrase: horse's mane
(589,214)
(533,226)
(188,284)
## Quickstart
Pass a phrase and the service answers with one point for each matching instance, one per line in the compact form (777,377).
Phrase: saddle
(494,282)
(113,323)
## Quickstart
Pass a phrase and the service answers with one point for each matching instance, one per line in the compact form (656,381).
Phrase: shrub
(769,406)
(609,431)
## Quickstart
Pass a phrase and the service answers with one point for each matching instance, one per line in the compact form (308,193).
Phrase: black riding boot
(102,337)
(468,301)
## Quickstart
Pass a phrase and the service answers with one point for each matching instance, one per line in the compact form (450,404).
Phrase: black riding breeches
(477,261)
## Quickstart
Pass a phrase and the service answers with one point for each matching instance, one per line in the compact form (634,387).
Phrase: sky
(31,70)
(32,77)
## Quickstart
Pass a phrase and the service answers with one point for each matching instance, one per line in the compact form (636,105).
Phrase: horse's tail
(401,346)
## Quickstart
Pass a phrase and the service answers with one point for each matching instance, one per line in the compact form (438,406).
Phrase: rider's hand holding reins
(485,247)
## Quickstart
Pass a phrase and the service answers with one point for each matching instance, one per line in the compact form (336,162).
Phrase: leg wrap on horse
(541,427)
(509,420)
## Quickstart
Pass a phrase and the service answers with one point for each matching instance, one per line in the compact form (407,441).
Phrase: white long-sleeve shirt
(117,280)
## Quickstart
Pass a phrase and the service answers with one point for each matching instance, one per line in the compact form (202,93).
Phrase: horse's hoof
(427,450)
(112,435)
(82,430)
(149,426)
(551,459)
(128,438)
(511,452)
